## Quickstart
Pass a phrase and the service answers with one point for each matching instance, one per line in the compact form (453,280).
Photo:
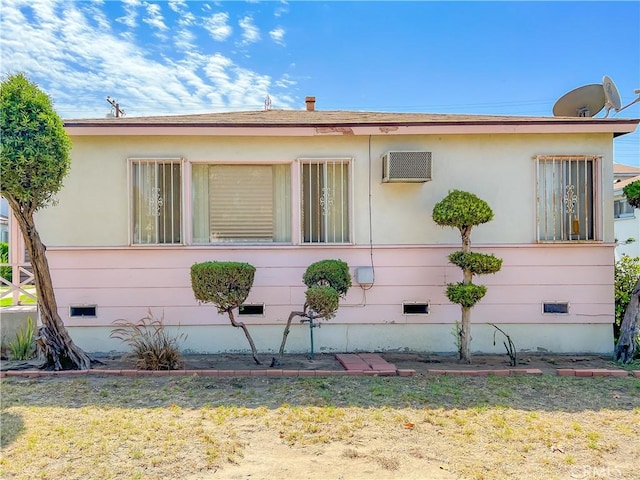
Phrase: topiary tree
(327,282)
(464,210)
(226,285)
(35,159)
(632,192)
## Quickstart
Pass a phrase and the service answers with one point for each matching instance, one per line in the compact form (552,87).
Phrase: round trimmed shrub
(466,295)
(461,209)
(477,263)
(334,273)
(323,300)
(224,284)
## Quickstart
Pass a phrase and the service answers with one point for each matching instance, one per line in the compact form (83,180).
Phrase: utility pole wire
(116,107)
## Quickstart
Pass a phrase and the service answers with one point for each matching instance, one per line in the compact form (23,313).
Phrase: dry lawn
(523,427)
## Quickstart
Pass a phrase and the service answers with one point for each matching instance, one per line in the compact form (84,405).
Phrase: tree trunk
(629,329)
(465,336)
(246,334)
(276,362)
(465,324)
(53,340)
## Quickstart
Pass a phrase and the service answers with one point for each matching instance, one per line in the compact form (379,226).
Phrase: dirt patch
(548,363)
(420,362)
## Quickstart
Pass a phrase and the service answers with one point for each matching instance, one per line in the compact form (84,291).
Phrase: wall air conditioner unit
(406,167)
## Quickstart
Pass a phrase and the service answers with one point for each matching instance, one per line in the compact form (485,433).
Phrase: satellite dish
(611,95)
(585,101)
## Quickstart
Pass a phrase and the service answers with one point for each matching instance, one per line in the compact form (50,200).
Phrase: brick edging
(593,372)
(563,372)
(484,373)
(205,373)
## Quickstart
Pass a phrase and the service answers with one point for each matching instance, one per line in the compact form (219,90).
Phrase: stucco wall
(93,205)
(434,338)
(92,264)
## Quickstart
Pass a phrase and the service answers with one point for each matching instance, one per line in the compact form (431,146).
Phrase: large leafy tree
(464,210)
(626,297)
(34,154)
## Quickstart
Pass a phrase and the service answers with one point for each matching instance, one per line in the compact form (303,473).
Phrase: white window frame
(596,222)
(131,215)
(623,216)
(350,196)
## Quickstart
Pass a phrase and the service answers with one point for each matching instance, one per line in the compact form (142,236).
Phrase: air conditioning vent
(406,167)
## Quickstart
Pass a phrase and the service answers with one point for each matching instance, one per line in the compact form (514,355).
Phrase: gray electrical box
(364,275)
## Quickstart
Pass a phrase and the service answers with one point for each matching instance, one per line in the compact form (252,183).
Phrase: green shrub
(327,281)
(632,192)
(466,295)
(461,209)
(224,284)
(323,300)
(5,272)
(24,346)
(626,276)
(334,273)
(152,346)
(477,263)
(464,210)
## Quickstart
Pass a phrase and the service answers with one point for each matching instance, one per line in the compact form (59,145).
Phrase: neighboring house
(4,228)
(147,198)
(626,218)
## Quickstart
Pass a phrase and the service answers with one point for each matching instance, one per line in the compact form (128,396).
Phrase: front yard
(448,427)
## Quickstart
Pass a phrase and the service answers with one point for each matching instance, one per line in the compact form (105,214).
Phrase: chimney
(311,103)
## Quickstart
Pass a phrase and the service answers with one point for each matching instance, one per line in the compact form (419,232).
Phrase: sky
(181,57)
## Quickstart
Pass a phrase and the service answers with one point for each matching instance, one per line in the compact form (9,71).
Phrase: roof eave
(616,127)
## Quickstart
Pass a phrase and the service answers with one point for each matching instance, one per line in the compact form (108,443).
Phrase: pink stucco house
(148,197)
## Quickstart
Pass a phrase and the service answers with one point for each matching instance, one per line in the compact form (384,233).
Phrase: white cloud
(177,6)
(154,17)
(187,19)
(285,82)
(277,35)
(79,60)
(282,9)
(98,15)
(184,39)
(130,18)
(218,27)
(250,33)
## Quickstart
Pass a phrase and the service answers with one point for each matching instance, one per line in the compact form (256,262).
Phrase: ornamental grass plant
(151,344)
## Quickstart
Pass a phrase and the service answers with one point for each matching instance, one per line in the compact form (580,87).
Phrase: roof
(620,169)
(345,122)
(620,184)
(329,117)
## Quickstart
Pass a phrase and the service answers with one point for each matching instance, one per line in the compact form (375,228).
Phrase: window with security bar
(241,203)
(325,201)
(156,201)
(565,193)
